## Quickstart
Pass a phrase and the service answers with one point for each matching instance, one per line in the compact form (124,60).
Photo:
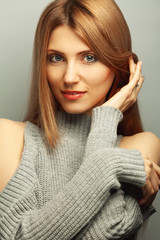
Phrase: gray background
(18,19)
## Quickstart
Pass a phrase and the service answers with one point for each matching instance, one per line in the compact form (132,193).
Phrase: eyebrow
(79,53)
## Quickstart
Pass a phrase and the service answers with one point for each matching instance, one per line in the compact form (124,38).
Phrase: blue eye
(55,58)
(90,58)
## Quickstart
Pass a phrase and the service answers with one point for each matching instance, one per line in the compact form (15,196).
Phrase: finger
(150,189)
(132,65)
(150,201)
(135,85)
(132,73)
(134,78)
(145,204)
(144,191)
(154,181)
(155,177)
(148,198)
(137,73)
(139,84)
(147,191)
(151,173)
(141,79)
(157,169)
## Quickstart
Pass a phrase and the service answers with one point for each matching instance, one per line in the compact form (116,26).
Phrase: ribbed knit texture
(74,191)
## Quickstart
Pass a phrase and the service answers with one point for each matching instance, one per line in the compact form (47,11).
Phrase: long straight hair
(101,24)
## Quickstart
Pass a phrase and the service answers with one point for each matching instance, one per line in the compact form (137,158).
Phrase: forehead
(65,39)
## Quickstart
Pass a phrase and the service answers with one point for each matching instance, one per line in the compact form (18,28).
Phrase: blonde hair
(101,24)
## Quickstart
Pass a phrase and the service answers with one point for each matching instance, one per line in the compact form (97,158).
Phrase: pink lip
(72,95)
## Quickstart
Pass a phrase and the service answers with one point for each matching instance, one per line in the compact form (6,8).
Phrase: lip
(73,95)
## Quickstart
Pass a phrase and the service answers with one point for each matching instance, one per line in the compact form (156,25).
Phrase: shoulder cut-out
(11,147)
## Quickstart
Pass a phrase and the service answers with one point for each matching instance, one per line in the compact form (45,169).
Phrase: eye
(55,58)
(90,58)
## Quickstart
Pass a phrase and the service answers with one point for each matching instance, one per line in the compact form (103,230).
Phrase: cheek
(50,75)
(108,76)
(53,76)
(103,79)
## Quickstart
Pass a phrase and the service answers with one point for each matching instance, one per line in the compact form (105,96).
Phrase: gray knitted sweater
(74,191)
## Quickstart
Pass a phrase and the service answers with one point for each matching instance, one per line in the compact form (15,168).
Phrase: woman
(64,171)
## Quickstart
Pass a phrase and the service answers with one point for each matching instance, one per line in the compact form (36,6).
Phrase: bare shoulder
(10,132)
(11,147)
(146,142)
(7,123)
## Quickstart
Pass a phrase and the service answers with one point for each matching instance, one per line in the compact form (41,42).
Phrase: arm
(123,100)
(82,198)
(104,225)
(120,217)
(149,146)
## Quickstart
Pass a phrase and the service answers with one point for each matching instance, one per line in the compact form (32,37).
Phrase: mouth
(73,95)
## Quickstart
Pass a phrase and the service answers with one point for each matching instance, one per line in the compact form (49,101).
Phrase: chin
(77,111)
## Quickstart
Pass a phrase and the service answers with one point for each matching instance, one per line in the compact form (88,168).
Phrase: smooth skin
(75,62)
(72,66)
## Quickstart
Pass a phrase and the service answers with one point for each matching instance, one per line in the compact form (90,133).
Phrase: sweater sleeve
(105,226)
(129,216)
(83,197)
(103,135)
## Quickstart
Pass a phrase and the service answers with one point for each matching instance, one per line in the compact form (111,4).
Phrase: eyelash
(94,58)
(51,56)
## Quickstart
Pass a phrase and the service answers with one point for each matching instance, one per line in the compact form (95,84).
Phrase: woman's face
(78,80)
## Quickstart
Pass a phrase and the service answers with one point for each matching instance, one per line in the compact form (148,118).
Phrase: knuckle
(133,99)
(147,158)
(149,172)
(152,191)
(149,162)
(147,180)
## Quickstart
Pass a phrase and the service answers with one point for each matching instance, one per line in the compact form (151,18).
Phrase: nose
(71,75)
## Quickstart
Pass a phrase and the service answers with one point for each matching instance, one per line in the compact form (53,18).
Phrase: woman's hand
(148,144)
(128,94)
(152,184)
